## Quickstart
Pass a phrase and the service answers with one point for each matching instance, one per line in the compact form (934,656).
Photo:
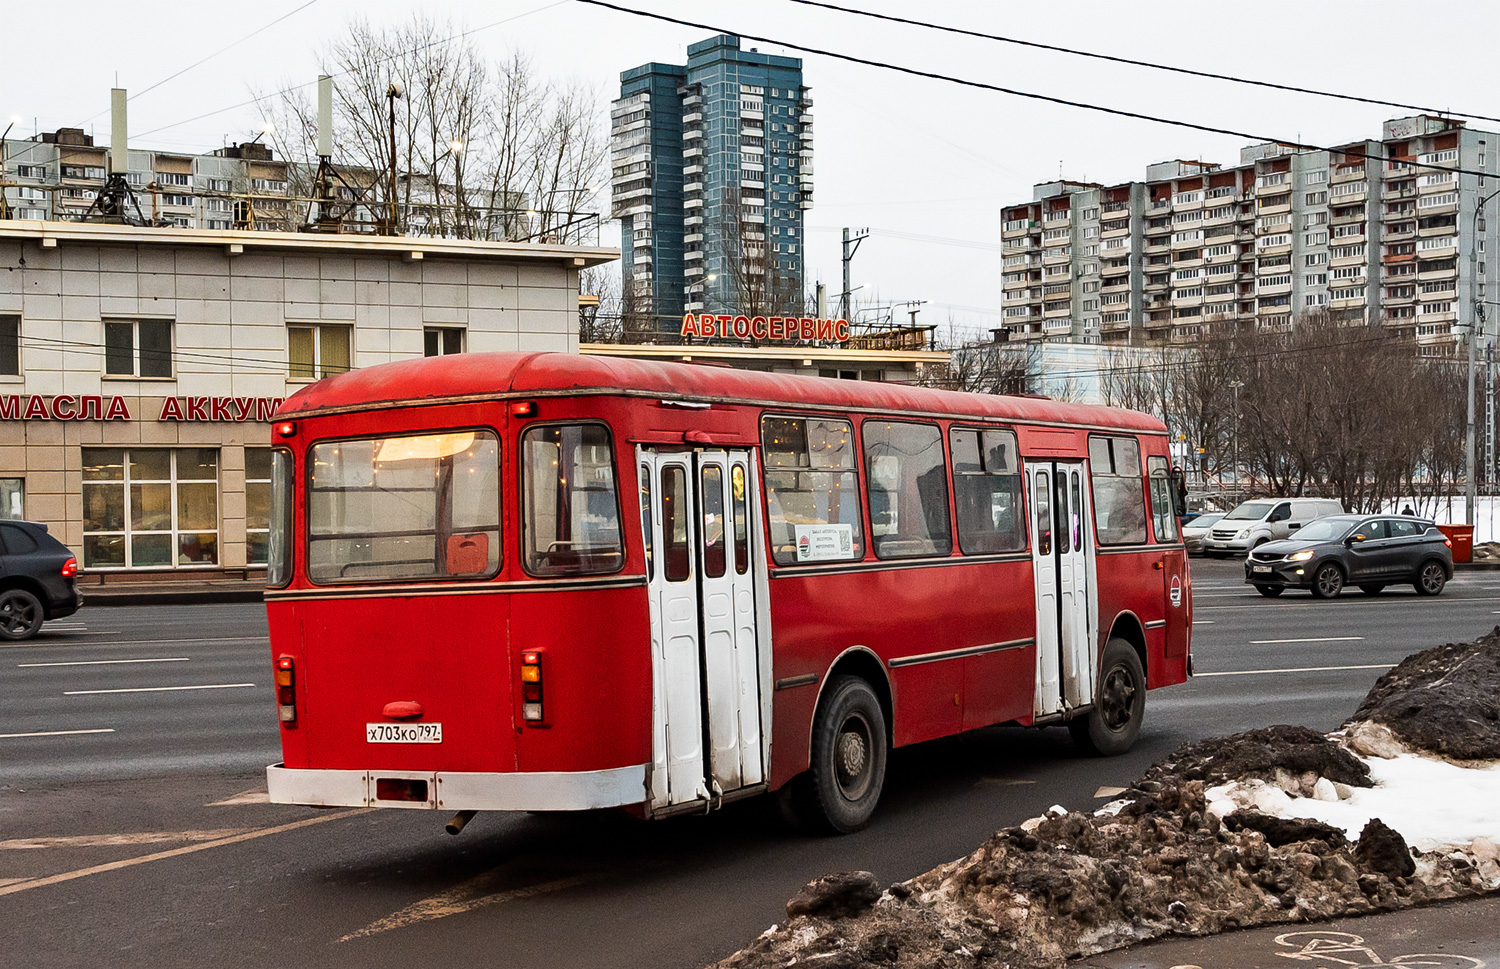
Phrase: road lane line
(43,642)
(173,852)
(462,899)
(105,662)
(1300,669)
(56,733)
(1203,622)
(1326,639)
(160,689)
(114,840)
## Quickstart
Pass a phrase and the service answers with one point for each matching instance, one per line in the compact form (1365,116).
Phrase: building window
(439,341)
(317,350)
(138,348)
(257,504)
(10,346)
(13,498)
(150,507)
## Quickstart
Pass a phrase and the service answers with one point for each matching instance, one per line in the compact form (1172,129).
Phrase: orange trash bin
(1462,537)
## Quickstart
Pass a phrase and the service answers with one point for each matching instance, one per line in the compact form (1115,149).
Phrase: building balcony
(1057,325)
(1448,184)
(1400,322)
(1159,207)
(692,118)
(1058,222)
(1434,334)
(1448,208)
(1116,285)
(1398,168)
(1387,235)
(1053,257)
(694,152)
(1432,232)
(1162,321)
(1432,275)
(1391,193)
(1390,300)
(1110,230)
(1054,243)
(1442,248)
(1341,176)
(1347,304)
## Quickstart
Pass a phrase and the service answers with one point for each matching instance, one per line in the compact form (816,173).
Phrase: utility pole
(1235,386)
(852,239)
(1476,330)
(1489,415)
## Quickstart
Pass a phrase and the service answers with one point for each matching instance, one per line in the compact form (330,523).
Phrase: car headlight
(1301,556)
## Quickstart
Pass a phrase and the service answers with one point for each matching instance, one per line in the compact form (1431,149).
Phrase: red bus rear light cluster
(70,568)
(286,690)
(531,686)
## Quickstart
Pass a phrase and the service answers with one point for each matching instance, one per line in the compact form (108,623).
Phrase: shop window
(1119,490)
(138,348)
(812,490)
(316,350)
(150,508)
(257,504)
(908,484)
(987,491)
(10,346)
(13,498)
(439,341)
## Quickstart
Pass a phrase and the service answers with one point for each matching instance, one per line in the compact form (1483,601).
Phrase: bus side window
(908,488)
(674,524)
(812,490)
(987,491)
(570,510)
(741,520)
(1163,514)
(1119,490)
(714,539)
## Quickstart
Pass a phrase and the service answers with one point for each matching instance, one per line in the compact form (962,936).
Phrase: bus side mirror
(1180,493)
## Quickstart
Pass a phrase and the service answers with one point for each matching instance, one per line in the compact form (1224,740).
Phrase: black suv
(1370,551)
(37,579)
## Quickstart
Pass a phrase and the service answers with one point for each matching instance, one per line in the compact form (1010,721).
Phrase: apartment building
(1371,231)
(712,170)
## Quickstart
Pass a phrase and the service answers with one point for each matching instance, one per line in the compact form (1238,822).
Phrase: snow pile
(1271,826)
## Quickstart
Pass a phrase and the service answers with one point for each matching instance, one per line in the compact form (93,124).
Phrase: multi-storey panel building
(1371,231)
(712,169)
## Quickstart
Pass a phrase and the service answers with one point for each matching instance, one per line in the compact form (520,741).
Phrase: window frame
(11,341)
(319,370)
(945,463)
(1159,469)
(136,350)
(174,531)
(279,572)
(1022,515)
(441,332)
(1140,479)
(305,532)
(862,512)
(520,506)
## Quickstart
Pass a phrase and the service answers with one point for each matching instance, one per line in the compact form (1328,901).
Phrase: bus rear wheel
(1112,724)
(848,757)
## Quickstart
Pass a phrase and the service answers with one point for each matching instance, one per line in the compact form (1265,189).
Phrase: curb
(176,597)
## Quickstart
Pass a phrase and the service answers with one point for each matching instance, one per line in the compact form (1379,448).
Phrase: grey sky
(892,152)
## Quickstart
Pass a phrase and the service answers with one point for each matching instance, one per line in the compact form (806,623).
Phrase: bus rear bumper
(459,791)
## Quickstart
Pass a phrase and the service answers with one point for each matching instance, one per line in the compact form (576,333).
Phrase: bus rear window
(571,510)
(422,506)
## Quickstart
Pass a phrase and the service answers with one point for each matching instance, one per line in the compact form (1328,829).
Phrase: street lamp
(1235,386)
(1476,328)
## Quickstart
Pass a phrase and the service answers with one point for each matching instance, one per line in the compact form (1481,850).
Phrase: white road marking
(1300,669)
(1203,622)
(161,689)
(33,643)
(1326,639)
(106,662)
(173,852)
(256,795)
(56,733)
(113,840)
(454,902)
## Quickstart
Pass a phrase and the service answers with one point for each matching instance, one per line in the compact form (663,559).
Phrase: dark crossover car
(1370,551)
(38,579)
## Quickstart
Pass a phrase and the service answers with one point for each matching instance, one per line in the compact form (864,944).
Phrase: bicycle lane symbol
(1330,949)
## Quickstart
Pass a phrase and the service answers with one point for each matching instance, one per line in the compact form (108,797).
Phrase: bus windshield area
(422,506)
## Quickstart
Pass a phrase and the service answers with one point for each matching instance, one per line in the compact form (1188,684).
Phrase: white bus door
(1062,556)
(706,668)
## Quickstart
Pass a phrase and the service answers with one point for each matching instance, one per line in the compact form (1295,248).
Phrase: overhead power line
(1210,75)
(298,87)
(1031,95)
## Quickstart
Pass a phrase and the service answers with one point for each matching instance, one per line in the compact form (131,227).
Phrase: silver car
(1194,531)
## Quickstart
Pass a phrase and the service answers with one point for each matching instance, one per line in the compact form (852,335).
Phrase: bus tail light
(531,686)
(523,408)
(286,689)
(70,568)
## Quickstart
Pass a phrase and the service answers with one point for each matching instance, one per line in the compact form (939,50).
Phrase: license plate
(403,733)
(1260,568)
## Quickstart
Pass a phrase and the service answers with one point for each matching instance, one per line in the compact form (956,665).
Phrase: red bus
(553,582)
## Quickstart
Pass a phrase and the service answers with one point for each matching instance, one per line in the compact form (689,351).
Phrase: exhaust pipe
(459,821)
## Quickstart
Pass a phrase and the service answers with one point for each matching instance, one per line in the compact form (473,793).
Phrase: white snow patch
(1431,802)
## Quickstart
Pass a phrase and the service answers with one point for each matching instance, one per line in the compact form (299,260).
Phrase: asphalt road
(152,845)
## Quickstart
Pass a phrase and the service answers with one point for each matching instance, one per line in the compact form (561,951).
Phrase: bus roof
(479,376)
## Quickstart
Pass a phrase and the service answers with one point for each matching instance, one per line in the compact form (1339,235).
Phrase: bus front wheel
(848,756)
(1114,721)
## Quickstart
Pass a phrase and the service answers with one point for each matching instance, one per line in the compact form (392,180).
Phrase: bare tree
(481,150)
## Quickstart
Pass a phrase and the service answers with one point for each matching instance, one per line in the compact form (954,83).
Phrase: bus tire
(1114,721)
(848,756)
